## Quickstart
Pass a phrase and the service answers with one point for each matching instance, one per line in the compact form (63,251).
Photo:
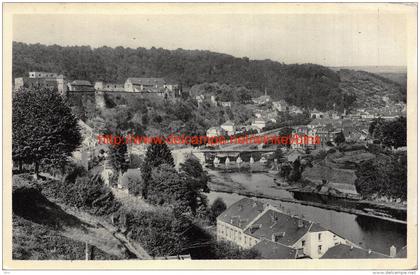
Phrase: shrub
(159,232)
(74,171)
(87,193)
(216,209)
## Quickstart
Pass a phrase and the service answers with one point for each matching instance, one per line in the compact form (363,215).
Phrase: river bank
(263,186)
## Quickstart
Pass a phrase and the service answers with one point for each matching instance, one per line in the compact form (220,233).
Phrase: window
(319,236)
(319,249)
(303,243)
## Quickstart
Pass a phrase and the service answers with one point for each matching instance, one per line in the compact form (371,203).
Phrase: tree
(390,133)
(394,133)
(118,156)
(44,129)
(278,154)
(217,208)
(156,155)
(296,172)
(375,127)
(339,138)
(386,175)
(168,187)
(195,173)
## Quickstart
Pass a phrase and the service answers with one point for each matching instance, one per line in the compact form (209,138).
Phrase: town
(281,181)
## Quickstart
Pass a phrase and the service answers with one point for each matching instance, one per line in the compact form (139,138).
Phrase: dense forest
(306,85)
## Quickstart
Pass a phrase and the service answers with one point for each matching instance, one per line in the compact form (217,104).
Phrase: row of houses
(277,235)
(230,128)
(327,129)
(156,86)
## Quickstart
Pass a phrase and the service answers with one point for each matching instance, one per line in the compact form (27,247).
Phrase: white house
(258,124)
(229,127)
(280,105)
(250,223)
(215,132)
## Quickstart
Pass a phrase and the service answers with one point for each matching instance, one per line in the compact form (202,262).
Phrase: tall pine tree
(156,155)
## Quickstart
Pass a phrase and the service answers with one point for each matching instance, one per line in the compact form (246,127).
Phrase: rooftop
(343,251)
(287,228)
(228,123)
(81,83)
(241,213)
(272,250)
(146,81)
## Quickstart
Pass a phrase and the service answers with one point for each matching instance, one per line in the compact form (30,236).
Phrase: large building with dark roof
(276,235)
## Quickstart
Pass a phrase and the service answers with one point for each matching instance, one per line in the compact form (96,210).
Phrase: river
(369,232)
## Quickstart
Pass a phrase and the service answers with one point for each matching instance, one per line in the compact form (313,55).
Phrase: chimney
(351,247)
(392,251)
(370,251)
(300,223)
(273,237)
(254,204)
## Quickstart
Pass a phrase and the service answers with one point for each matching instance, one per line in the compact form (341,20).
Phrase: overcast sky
(331,40)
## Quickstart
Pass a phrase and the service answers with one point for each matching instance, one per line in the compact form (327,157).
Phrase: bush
(217,208)
(227,250)
(87,193)
(160,232)
(134,186)
(74,171)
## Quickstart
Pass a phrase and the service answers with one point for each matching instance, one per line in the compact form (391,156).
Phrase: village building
(261,100)
(142,84)
(336,124)
(272,250)
(151,87)
(329,179)
(80,86)
(252,224)
(345,251)
(42,80)
(229,127)
(303,137)
(226,104)
(200,99)
(43,75)
(258,124)
(108,87)
(294,110)
(281,106)
(215,132)
(317,114)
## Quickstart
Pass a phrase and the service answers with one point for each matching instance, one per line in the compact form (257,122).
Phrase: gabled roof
(316,227)
(81,83)
(259,120)
(146,81)
(228,123)
(402,253)
(273,222)
(272,250)
(241,213)
(343,251)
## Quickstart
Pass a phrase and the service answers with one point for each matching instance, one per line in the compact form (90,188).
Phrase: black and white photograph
(178,132)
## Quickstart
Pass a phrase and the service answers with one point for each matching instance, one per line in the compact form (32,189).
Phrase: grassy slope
(47,231)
